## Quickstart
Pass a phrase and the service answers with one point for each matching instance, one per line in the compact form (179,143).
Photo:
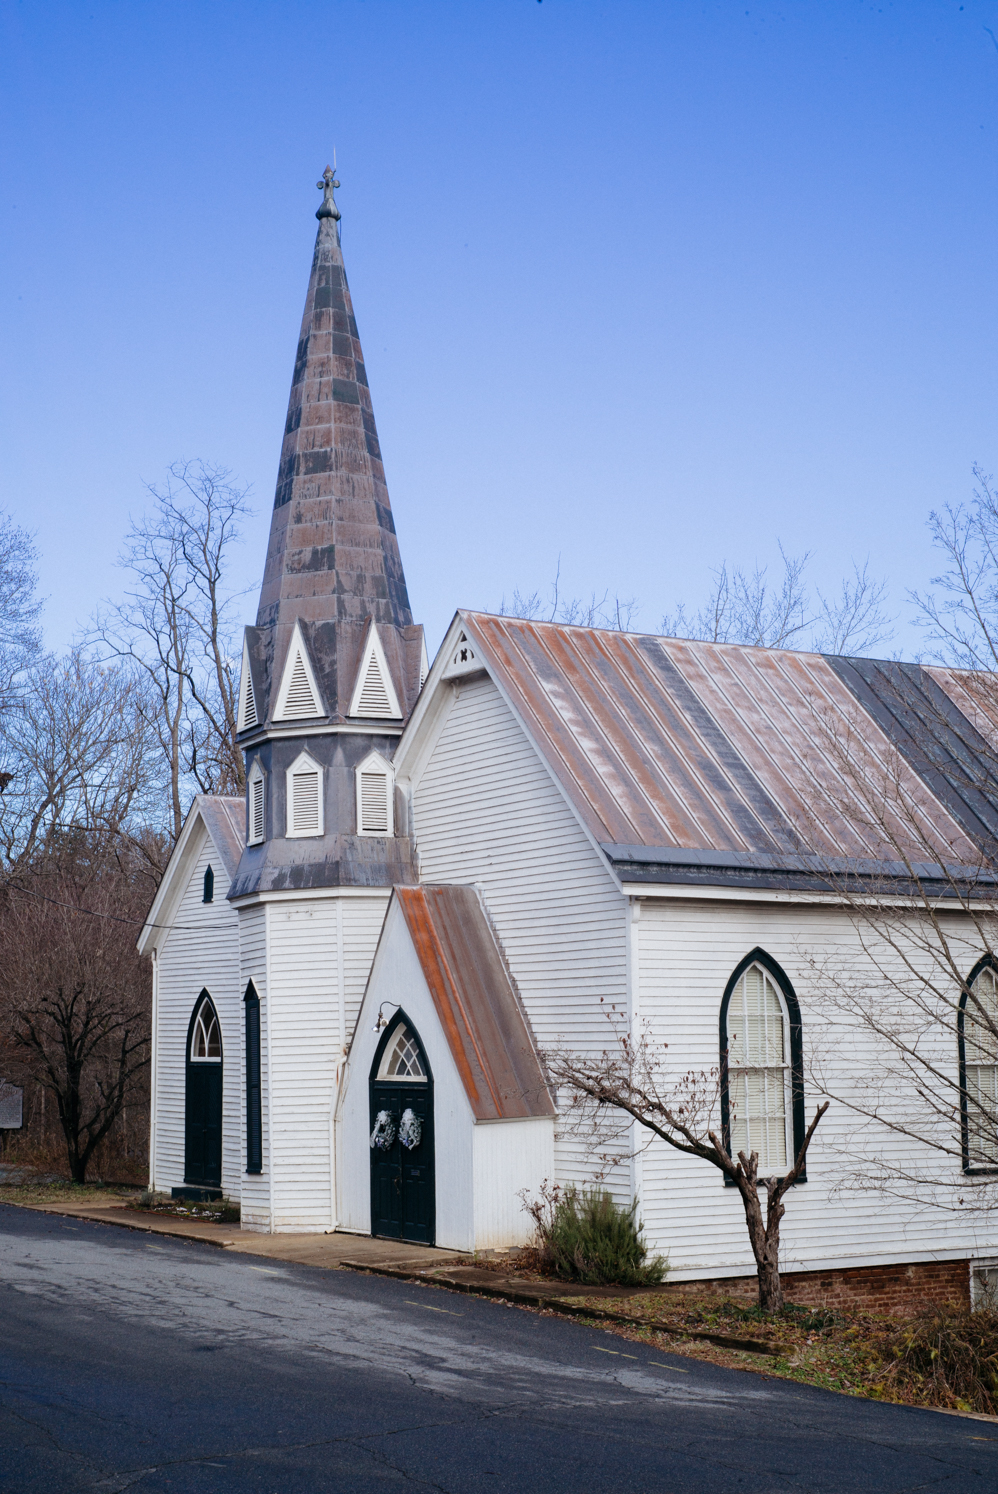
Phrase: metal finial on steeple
(327,186)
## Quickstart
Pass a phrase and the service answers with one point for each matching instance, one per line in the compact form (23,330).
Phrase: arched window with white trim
(762,1092)
(206,1040)
(304,797)
(375,796)
(256,796)
(402,1058)
(978,1036)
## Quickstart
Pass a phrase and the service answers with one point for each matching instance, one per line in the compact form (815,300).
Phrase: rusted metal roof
(477,1004)
(665,745)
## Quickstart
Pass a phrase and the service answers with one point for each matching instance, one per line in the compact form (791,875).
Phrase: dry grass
(85,1195)
(942,1356)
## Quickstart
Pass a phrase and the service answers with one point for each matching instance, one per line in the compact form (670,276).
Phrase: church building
(441,873)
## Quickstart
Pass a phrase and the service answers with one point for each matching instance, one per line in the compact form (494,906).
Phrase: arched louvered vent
(247,715)
(304,797)
(374,693)
(375,791)
(255,807)
(298,696)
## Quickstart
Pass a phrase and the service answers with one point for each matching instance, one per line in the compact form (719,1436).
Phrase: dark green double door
(203,1125)
(403,1197)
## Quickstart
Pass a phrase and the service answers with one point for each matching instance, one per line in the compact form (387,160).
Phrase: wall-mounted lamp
(383,1020)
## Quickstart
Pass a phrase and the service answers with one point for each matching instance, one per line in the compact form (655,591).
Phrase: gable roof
(225,821)
(477,1004)
(690,761)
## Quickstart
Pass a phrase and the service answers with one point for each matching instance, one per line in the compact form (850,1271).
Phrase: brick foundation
(896,1289)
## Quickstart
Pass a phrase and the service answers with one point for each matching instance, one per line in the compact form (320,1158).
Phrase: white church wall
(201,951)
(319,958)
(255,1210)
(485,810)
(397,981)
(686,954)
(510,1157)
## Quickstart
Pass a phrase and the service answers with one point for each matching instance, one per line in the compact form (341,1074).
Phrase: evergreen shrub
(582,1235)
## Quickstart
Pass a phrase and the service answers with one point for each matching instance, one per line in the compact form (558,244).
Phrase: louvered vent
(256,810)
(248,716)
(374,803)
(300,700)
(305,803)
(373,695)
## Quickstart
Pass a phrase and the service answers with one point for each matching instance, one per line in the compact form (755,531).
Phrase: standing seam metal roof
(678,745)
(475,999)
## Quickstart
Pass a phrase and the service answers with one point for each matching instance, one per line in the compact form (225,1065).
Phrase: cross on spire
(327,187)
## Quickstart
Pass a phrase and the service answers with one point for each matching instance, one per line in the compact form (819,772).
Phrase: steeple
(334,664)
(333,553)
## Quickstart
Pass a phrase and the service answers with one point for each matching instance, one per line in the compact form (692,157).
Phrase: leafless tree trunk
(632,1079)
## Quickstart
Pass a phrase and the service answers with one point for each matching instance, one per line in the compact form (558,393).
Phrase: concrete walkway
(329,1250)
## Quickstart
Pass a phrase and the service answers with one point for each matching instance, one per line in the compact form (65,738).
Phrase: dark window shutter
(254,1117)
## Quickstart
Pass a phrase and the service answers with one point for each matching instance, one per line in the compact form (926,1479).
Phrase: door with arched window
(403,1189)
(203,1109)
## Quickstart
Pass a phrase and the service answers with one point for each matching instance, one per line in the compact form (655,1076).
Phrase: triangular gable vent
(374,693)
(298,696)
(247,715)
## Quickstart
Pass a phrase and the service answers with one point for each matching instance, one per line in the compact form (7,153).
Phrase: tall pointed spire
(333,555)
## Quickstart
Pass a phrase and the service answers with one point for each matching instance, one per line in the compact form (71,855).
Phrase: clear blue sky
(644,284)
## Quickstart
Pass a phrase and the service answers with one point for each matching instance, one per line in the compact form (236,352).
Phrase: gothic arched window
(206,1040)
(762,1086)
(402,1058)
(977,1026)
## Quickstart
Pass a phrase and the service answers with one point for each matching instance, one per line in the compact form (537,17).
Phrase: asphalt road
(132,1364)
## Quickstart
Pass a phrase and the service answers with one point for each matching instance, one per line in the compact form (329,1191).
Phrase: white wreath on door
(410,1130)
(384,1131)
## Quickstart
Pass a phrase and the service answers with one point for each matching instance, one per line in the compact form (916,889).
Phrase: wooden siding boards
(687,951)
(486,810)
(312,956)
(201,950)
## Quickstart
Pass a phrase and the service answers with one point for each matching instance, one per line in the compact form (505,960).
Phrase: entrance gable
(438,970)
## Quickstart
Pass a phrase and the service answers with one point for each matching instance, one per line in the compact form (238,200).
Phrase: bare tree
(595,612)
(20,634)
(76,759)
(177,625)
(632,1079)
(961,620)
(911,996)
(74,994)
(746,607)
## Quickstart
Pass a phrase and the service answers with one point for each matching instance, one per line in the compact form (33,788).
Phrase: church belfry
(334,664)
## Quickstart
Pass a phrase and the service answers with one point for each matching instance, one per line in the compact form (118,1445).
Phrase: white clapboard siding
(485,810)
(201,950)
(686,954)
(255,1211)
(311,1022)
